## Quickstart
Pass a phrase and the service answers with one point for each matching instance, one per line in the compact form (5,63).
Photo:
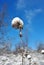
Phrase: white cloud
(20,4)
(30,14)
(38,10)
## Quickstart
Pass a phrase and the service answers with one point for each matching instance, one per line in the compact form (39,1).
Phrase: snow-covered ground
(12,59)
(16,59)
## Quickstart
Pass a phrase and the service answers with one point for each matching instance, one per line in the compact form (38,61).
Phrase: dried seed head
(17,23)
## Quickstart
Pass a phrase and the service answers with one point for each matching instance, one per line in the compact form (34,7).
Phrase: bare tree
(26,37)
(4,45)
(3,23)
(23,43)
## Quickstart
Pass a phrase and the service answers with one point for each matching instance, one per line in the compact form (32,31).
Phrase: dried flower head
(17,23)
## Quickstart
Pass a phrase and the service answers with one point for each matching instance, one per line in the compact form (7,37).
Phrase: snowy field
(11,59)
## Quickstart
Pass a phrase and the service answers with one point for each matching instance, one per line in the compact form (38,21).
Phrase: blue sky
(32,13)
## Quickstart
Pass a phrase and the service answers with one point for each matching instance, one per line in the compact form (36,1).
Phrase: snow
(17,20)
(11,59)
(42,51)
(29,57)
